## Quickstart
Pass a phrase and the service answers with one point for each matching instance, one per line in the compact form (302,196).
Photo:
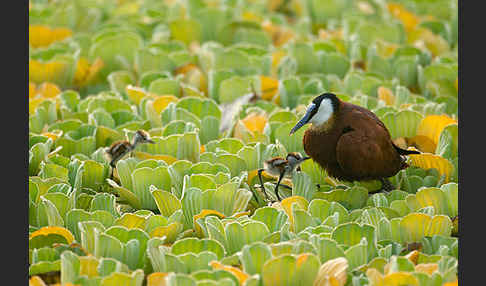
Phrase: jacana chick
(119,149)
(281,167)
(350,142)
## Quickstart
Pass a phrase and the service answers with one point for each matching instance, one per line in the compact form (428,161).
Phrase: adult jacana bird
(350,142)
(120,148)
(281,167)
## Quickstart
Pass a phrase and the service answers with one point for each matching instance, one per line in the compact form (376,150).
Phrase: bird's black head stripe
(334,100)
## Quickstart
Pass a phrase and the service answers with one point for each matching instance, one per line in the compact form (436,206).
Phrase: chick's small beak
(304,120)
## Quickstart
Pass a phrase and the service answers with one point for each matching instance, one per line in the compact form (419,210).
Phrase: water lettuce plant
(218,85)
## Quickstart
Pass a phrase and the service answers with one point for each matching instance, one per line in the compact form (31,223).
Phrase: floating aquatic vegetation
(218,85)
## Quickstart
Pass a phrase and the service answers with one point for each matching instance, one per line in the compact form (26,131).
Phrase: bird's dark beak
(308,115)
(305,158)
(150,141)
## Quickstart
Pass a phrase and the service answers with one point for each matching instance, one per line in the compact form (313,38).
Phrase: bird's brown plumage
(117,150)
(354,145)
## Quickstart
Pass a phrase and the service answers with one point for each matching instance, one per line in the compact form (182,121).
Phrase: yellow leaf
(169,231)
(88,266)
(32,90)
(399,279)
(36,281)
(408,19)
(287,203)
(331,35)
(202,214)
(185,68)
(144,156)
(331,181)
(49,90)
(279,35)
(332,273)
(85,72)
(414,226)
(251,174)
(428,268)
(432,125)
(193,76)
(240,214)
(157,279)
(269,87)
(54,230)
(437,225)
(385,49)
(162,101)
(301,259)
(53,135)
(82,69)
(252,17)
(49,71)
(386,95)
(375,277)
(43,36)
(276,58)
(428,161)
(135,94)
(423,143)
(130,221)
(242,276)
(423,38)
(33,103)
(255,122)
(413,256)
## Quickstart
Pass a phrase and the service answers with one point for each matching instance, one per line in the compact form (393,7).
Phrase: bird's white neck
(323,114)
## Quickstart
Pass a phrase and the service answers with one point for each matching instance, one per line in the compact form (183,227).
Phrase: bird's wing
(358,155)
(279,162)
(365,149)
(117,148)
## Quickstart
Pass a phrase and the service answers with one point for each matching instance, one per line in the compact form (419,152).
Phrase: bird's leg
(261,184)
(278,183)
(285,186)
(112,165)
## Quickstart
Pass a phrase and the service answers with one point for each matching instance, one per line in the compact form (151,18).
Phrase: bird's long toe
(386,185)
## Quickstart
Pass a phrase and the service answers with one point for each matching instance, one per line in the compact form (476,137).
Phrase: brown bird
(281,167)
(350,142)
(120,148)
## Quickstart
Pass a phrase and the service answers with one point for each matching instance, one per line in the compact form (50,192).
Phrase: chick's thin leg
(261,184)
(112,165)
(278,183)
